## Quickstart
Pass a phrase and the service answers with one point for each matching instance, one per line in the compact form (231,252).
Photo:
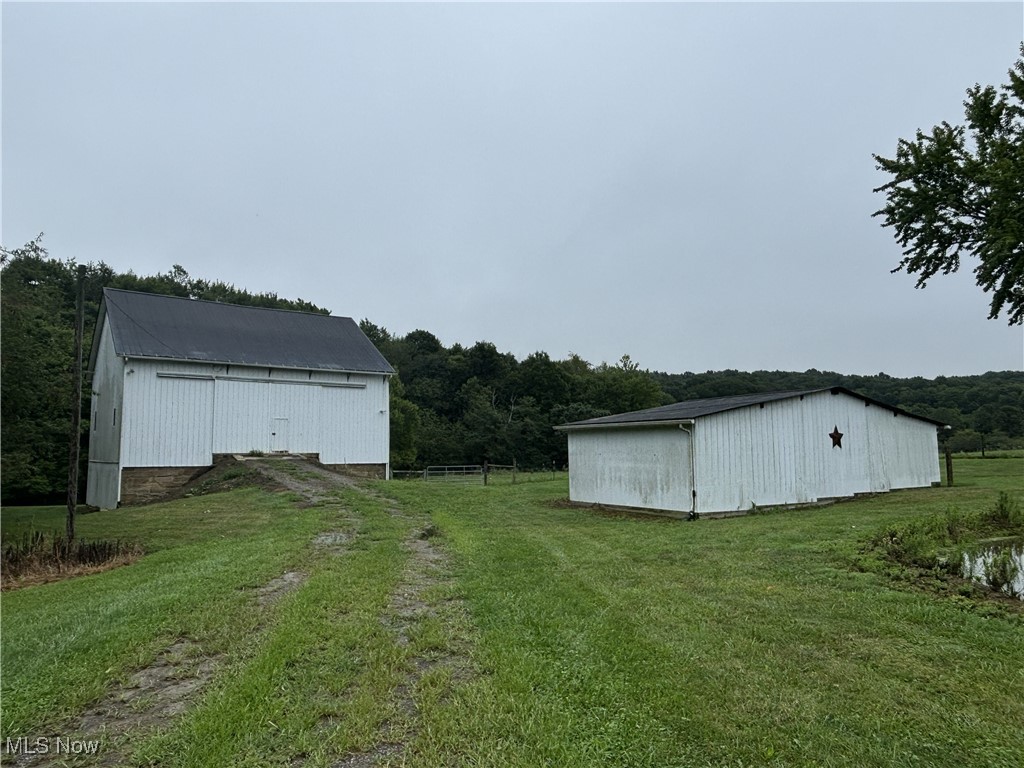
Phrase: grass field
(496,626)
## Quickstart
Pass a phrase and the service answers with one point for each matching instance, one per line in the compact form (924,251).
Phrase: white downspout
(693,473)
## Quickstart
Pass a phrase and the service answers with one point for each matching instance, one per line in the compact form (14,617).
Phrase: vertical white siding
(173,420)
(905,450)
(103,488)
(647,468)
(168,422)
(242,416)
(782,453)
(354,423)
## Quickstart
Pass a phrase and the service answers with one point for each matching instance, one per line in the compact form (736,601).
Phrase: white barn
(177,382)
(728,454)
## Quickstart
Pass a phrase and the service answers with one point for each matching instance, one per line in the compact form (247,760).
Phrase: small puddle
(997,563)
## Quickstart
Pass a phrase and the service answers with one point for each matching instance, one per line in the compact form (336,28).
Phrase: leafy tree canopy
(960,190)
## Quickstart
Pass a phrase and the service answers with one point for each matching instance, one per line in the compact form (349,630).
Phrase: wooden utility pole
(74,435)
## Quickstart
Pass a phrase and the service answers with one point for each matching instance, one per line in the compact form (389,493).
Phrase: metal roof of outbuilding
(149,325)
(688,410)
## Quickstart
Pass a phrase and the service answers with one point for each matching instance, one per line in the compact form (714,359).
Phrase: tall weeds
(1006,513)
(37,557)
(1001,572)
(938,545)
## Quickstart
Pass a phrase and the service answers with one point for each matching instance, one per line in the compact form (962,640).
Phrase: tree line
(449,405)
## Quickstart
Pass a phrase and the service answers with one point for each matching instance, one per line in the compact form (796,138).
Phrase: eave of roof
(687,411)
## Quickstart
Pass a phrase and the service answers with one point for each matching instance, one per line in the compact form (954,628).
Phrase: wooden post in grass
(74,434)
(949,465)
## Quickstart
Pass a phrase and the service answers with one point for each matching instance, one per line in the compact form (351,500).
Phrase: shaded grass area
(747,641)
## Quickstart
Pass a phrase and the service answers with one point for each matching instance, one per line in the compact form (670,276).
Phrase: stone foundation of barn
(371,471)
(144,485)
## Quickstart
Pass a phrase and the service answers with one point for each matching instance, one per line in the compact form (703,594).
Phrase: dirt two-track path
(153,697)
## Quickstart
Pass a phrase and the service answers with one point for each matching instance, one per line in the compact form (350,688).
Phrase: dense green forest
(449,405)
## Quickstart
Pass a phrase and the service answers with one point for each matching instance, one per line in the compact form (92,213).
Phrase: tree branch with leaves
(959,191)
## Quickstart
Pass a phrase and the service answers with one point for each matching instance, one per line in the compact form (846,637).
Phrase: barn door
(279,435)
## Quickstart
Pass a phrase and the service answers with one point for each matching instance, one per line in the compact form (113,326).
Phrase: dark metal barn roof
(149,325)
(688,410)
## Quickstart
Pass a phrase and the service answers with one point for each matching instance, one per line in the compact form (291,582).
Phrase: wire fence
(476,474)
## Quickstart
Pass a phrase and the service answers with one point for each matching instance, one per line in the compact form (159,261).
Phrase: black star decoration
(837,437)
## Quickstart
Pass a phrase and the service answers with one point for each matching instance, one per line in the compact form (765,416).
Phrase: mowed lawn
(587,639)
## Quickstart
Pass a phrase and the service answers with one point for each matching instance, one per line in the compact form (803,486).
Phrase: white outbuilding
(731,454)
(177,382)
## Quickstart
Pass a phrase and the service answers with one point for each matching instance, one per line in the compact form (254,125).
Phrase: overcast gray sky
(689,184)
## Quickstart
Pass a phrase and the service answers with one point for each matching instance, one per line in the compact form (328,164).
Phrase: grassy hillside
(431,624)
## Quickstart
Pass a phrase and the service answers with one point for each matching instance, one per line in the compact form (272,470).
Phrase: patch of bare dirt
(315,484)
(410,605)
(285,473)
(228,474)
(277,588)
(147,701)
(332,542)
